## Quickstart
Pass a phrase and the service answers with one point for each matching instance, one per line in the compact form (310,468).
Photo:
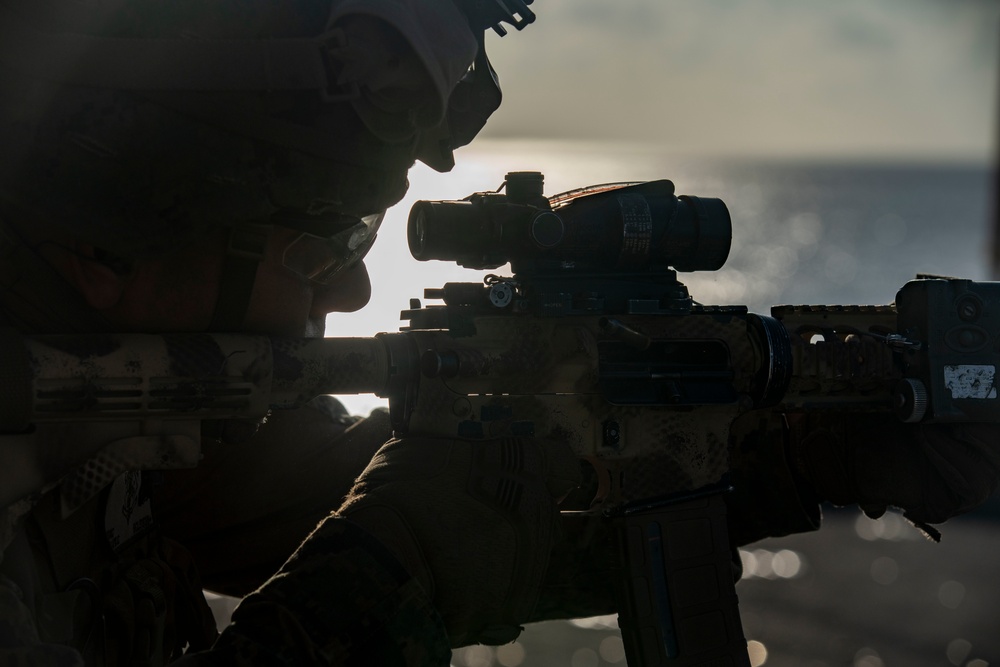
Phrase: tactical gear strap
(247,244)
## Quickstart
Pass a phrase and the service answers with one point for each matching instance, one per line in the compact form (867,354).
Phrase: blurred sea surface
(859,592)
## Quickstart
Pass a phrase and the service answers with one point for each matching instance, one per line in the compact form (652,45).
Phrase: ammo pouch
(140,604)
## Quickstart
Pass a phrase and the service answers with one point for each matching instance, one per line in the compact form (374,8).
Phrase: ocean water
(803,232)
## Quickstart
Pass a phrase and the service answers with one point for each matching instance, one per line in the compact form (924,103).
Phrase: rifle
(592,340)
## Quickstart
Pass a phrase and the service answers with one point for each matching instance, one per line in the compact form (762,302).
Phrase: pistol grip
(678,603)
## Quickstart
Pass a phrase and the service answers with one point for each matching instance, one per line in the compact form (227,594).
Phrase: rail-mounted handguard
(591,340)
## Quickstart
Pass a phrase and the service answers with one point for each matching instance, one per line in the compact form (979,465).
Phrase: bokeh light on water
(584,657)
(958,649)
(612,650)
(868,657)
(473,656)
(890,526)
(951,594)
(757,652)
(510,655)
(765,564)
(884,570)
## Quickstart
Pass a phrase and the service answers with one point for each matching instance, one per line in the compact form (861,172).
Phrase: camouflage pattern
(650,422)
(558,360)
(522,374)
(833,371)
(138,400)
(121,377)
(519,375)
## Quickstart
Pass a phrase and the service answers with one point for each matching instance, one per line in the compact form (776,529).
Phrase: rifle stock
(602,349)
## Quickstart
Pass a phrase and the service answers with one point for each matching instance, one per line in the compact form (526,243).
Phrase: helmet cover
(141,161)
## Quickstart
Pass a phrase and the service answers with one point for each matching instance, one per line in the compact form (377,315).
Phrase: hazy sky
(802,77)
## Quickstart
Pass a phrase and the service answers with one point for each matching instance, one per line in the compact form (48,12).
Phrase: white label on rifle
(971,381)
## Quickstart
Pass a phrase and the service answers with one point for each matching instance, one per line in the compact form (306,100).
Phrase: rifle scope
(623,227)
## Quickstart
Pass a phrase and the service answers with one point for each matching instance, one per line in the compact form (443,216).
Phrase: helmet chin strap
(247,245)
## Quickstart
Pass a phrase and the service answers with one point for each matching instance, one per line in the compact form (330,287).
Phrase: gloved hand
(474,522)
(931,471)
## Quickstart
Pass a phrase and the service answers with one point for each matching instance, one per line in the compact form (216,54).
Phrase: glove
(931,471)
(474,522)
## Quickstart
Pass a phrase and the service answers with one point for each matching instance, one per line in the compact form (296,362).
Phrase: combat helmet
(135,125)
